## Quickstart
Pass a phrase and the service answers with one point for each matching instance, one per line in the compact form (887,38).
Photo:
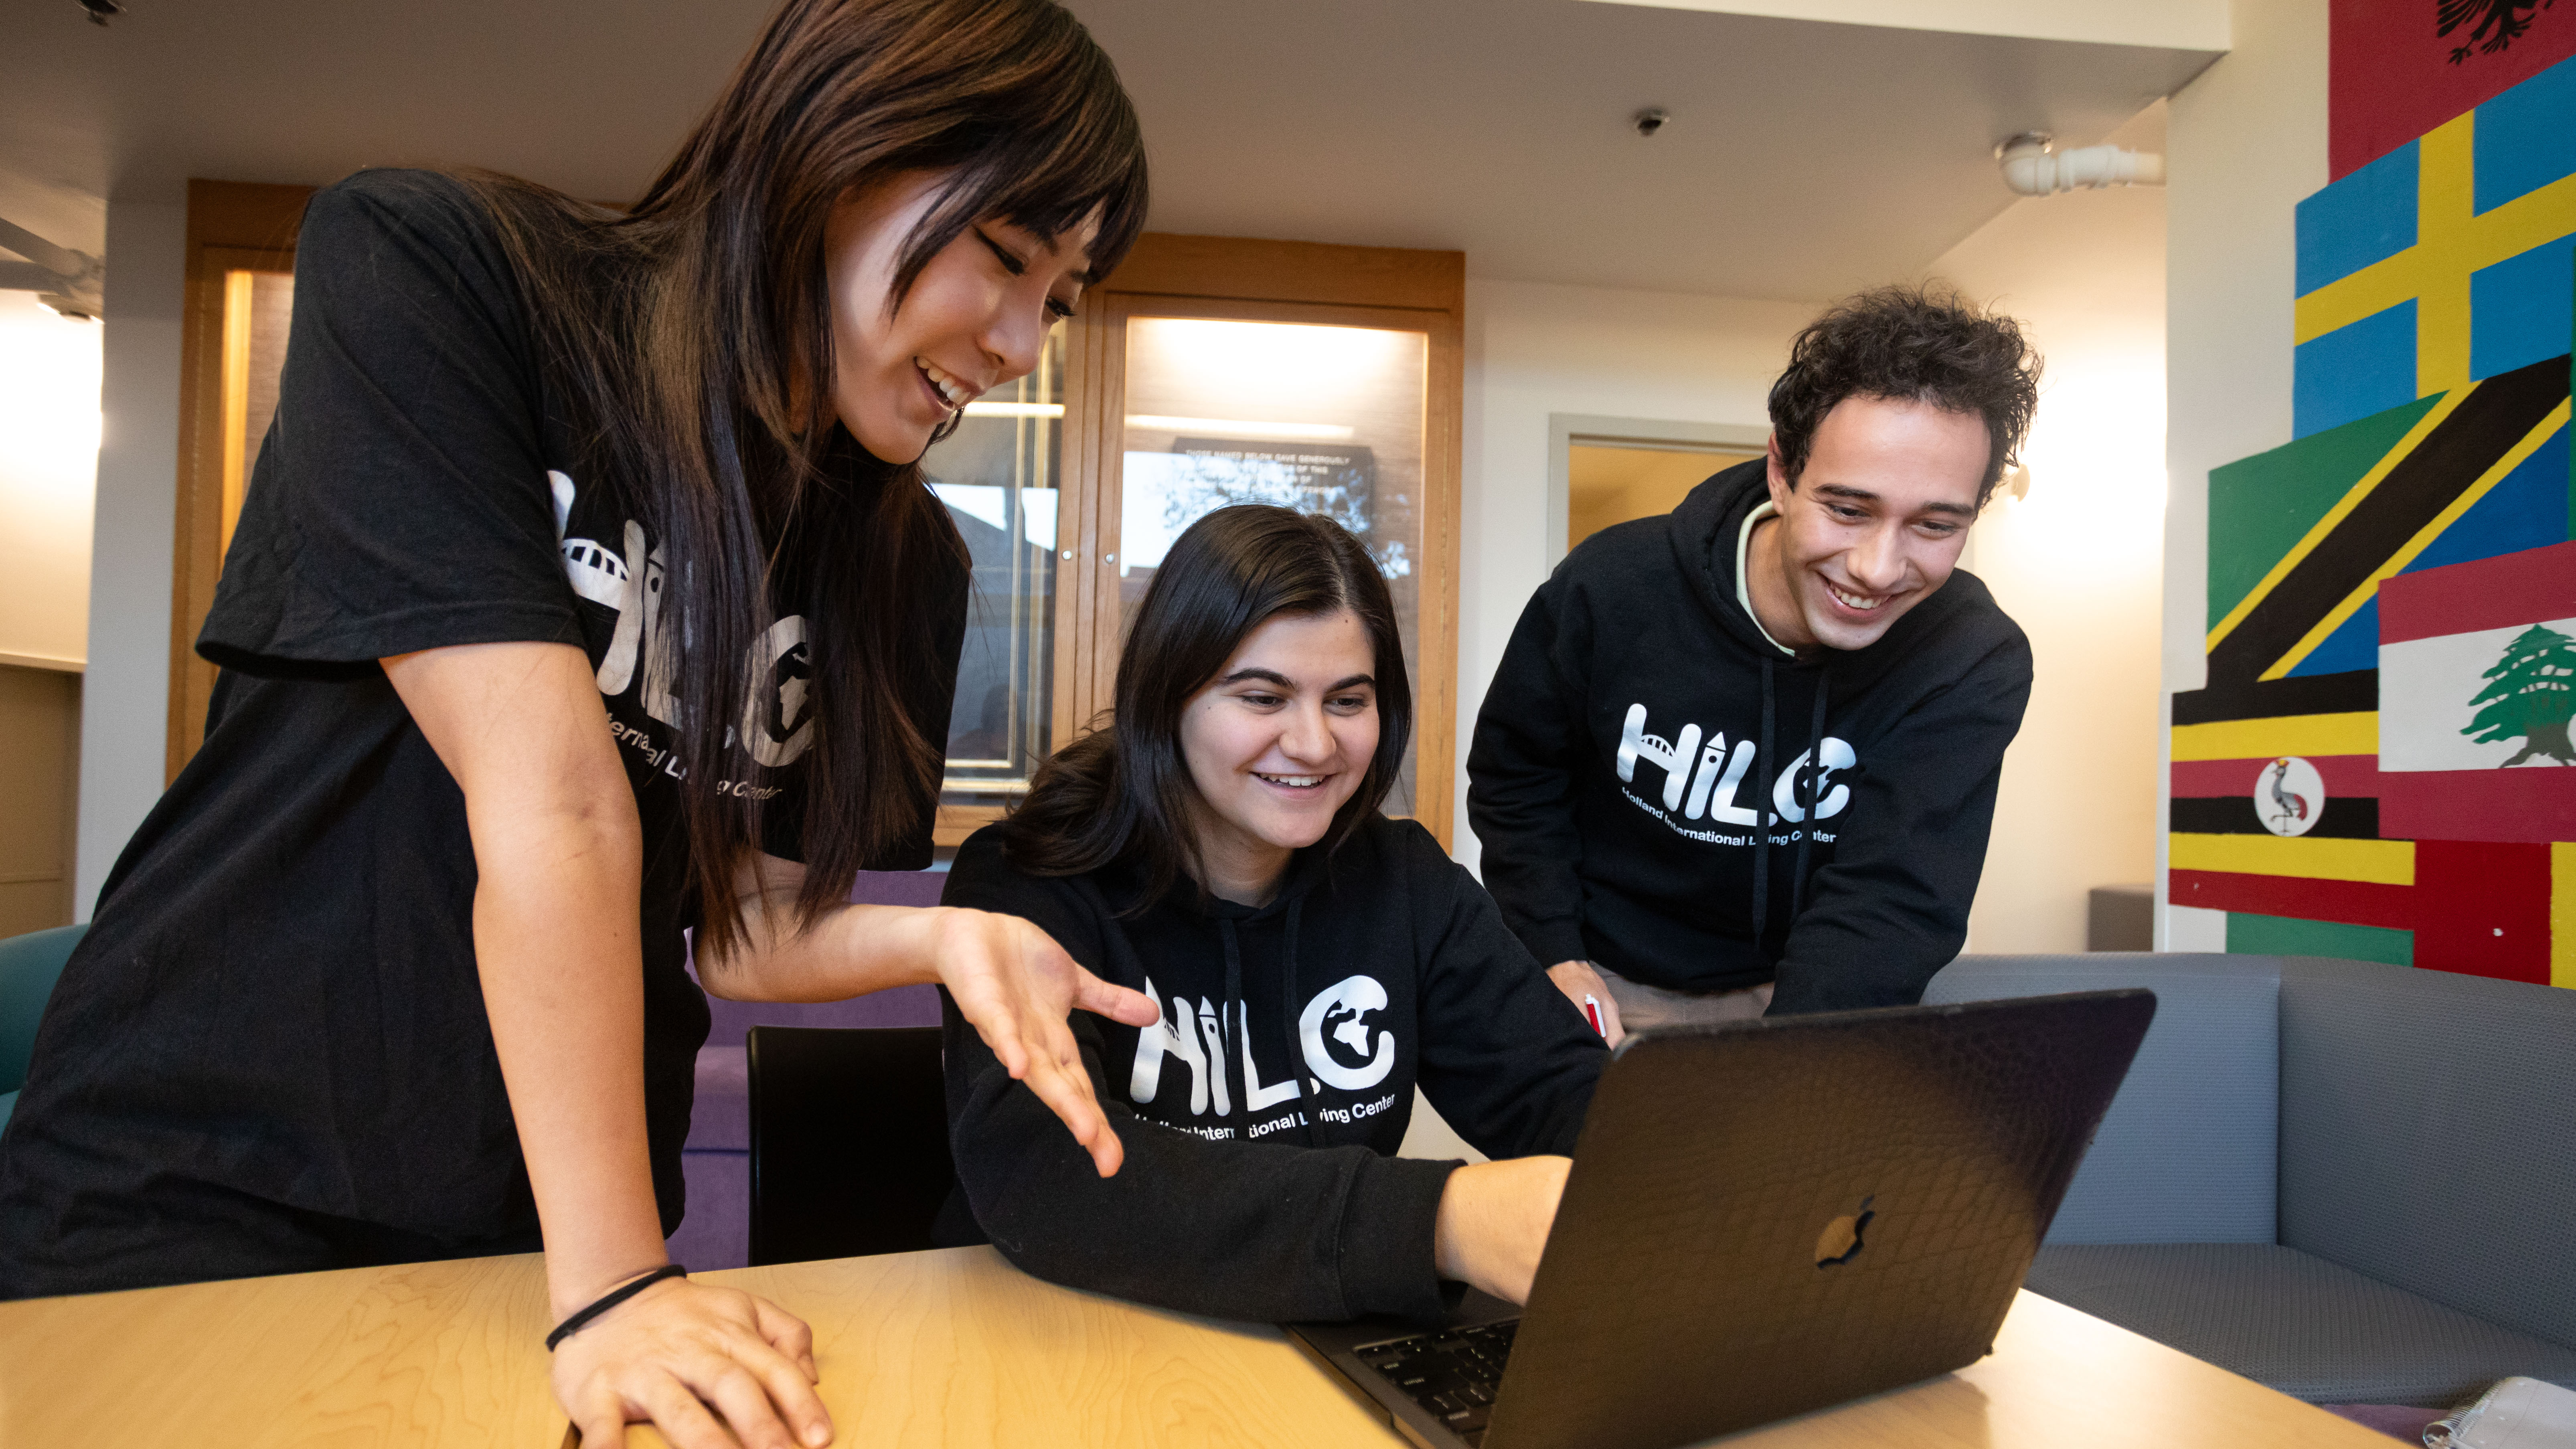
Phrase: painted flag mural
(2444,261)
(2478,664)
(2379,766)
(2397,68)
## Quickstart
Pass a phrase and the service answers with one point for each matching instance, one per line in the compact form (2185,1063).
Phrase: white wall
(2183,24)
(2078,562)
(49,369)
(1533,349)
(2247,142)
(125,698)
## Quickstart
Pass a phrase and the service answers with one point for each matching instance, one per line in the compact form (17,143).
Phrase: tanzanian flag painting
(2379,766)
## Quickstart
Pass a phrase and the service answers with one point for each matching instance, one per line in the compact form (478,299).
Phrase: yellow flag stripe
(2450,244)
(2562,914)
(2448,232)
(2433,418)
(2531,443)
(2376,862)
(2296,734)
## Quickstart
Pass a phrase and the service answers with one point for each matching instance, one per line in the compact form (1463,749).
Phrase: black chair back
(849,1141)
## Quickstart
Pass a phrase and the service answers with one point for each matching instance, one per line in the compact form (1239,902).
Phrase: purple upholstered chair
(717,1162)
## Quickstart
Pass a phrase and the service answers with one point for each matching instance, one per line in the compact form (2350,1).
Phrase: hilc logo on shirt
(1701,778)
(1196,1035)
(632,585)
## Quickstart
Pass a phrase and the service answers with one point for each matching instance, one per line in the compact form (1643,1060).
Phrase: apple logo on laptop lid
(1840,1242)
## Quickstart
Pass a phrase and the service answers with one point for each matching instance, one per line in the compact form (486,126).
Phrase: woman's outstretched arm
(558,851)
(1011,982)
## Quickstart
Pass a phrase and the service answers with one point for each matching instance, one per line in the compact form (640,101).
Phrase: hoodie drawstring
(1762,820)
(1808,794)
(1803,789)
(1226,1024)
(1288,1018)
(1237,1015)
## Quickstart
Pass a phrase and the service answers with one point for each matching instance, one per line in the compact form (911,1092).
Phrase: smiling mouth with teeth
(1851,601)
(951,388)
(1293,782)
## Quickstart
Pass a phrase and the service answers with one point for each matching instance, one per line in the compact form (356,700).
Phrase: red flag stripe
(2357,903)
(2346,776)
(2487,593)
(2530,804)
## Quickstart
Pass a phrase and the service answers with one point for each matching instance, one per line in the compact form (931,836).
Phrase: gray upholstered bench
(2352,1182)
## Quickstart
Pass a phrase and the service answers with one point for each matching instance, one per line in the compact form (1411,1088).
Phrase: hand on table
(1493,1223)
(1015,986)
(1578,980)
(680,1353)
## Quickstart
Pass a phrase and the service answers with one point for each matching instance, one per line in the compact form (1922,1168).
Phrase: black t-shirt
(279,994)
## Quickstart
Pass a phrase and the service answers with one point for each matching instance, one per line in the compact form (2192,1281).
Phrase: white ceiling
(1803,158)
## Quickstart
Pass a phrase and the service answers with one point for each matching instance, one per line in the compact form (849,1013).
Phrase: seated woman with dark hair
(1220,849)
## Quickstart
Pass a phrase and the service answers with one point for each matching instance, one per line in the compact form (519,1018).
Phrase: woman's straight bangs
(1046,155)
(1046,184)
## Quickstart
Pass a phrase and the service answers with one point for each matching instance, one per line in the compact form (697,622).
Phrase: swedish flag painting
(2444,262)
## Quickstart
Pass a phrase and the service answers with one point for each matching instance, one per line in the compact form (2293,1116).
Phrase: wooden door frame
(1232,277)
(232,226)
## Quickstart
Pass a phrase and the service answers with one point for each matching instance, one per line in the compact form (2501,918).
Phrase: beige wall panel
(2079,561)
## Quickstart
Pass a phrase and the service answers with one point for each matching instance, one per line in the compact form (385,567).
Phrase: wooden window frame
(1261,281)
(232,226)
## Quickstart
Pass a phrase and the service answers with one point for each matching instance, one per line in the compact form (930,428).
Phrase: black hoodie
(1639,720)
(1243,1194)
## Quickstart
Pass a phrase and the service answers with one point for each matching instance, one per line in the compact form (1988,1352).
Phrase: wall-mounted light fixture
(2033,169)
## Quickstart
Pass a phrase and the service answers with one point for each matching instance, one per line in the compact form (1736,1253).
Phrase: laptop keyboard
(1454,1373)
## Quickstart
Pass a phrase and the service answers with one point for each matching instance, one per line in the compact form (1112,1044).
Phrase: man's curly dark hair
(1910,344)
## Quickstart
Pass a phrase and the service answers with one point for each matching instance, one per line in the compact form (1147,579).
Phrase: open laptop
(1765,1218)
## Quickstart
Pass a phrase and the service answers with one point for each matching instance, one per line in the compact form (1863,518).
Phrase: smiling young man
(1742,757)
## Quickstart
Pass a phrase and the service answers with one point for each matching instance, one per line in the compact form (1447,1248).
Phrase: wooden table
(949,1348)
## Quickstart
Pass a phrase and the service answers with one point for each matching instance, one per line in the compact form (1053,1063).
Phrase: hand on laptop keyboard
(1493,1223)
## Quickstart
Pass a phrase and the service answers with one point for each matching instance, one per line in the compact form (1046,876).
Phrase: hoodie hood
(1704,532)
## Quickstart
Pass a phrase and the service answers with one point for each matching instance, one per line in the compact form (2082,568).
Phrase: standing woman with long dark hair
(587,592)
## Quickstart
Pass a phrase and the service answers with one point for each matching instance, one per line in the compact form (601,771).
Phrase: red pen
(1592,1013)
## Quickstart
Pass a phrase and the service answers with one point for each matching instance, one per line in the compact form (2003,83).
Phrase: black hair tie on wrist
(611,1299)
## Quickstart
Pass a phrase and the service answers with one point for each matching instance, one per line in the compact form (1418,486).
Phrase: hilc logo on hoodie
(1701,778)
(1194,1033)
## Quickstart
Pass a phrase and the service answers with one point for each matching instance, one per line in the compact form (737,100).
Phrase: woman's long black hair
(694,334)
(1124,792)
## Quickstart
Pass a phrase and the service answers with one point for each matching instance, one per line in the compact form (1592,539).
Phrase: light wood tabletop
(949,1348)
